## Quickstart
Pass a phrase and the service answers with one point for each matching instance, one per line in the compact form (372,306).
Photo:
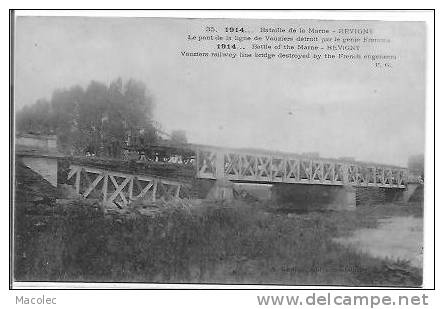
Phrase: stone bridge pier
(39,153)
(411,189)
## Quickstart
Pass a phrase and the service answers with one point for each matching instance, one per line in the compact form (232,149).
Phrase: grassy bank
(220,243)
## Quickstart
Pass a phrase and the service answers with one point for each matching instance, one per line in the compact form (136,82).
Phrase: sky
(337,108)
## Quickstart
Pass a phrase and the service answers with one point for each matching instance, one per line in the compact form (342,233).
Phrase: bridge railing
(214,163)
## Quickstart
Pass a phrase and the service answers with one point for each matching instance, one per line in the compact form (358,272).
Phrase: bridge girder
(276,168)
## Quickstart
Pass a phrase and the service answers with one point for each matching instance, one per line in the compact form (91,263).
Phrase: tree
(97,119)
(179,137)
(65,105)
(36,118)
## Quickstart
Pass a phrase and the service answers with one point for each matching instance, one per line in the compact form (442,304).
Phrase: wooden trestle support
(117,189)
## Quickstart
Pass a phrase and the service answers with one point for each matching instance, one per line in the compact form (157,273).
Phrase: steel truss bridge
(122,187)
(268,167)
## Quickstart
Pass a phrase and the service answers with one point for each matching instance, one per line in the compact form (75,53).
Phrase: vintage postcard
(217,151)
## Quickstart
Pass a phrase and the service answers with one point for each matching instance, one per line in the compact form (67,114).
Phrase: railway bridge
(273,167)
(120,183)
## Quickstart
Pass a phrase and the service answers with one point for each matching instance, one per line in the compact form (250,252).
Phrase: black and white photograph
(218,151)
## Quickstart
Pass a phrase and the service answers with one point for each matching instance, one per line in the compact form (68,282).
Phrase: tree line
(96,119)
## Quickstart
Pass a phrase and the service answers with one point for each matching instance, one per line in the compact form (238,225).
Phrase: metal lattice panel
(243,166)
